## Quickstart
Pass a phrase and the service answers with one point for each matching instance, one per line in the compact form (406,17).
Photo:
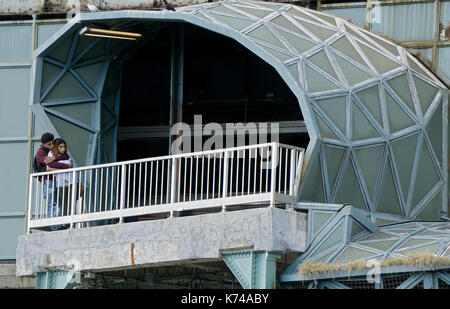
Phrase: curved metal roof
(376,117)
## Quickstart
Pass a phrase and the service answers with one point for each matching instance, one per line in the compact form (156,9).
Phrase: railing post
(173,181)
(122,192)
(73,200)
(225,178)
(274,164)
(30,196)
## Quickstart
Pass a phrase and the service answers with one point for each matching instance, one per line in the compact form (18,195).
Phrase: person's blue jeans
(52,208)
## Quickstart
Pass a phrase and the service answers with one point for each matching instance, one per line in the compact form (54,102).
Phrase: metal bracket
(253,269)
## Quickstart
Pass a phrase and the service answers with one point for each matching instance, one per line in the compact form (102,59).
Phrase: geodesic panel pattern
(377,112)
(396,240)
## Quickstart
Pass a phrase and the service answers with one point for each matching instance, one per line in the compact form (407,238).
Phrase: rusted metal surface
(12,7)
(20,7)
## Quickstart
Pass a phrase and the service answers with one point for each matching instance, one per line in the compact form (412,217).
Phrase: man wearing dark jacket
(42,160)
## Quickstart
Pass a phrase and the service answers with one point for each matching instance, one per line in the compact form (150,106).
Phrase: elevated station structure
(373,182)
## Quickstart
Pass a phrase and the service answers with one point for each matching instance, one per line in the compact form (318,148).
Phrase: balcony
(160,187)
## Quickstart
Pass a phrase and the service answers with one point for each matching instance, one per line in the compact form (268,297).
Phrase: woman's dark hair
(58,141)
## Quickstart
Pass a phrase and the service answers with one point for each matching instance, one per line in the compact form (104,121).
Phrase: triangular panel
(325,130)
(427,175)
(320,59)
(432,211)
(320,32)
(398,118)
(370,98)
(434,130)
(404,150)
(262,33)
(362,128)
(344,46)
(425,92)
(334,157)
(350,191)
(335,108)
(299,44)
(388,201)
(382,63)
(66,87)
(352,73)
(319,218)
(401,87)
(82,112)
(89,73)
(255,12)
(238,24)
(369,159)
(317,82)
(312,189)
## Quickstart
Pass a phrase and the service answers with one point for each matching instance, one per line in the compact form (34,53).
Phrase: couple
(52,156)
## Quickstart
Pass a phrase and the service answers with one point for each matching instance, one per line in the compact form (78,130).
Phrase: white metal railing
(265,173)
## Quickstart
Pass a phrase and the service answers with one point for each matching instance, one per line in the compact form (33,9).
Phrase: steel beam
(253,269)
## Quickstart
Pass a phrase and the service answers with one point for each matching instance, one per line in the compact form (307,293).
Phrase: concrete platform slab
(162,242)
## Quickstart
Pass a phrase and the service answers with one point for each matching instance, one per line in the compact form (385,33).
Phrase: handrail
(263,174)
(191,154)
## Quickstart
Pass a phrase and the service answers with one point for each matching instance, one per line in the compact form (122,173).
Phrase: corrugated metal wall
(19,134)
(422,26)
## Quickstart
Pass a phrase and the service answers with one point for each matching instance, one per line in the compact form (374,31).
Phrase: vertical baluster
(145,183)
(106,188)
(285,169)
(249,169)
(156,183)
(101,189)
(196,177)
(151,183)
(140,180)
(274,157)
(184,184)
(118,184)
(237,173)
(201,187)
(219,187)
(162,181)
(260,168)
(190,180)
(90,188)
(95,195)
(123,167)
(84,193)
(255,162)
(179,178)
(128,186)
(134,184)
(231,174)
(243,172)
(207,177)
(214,177)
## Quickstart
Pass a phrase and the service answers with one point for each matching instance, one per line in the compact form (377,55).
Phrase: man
(42,160)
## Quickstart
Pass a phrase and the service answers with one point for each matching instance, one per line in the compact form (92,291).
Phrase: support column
(253,269)
(55,279)
(176,78)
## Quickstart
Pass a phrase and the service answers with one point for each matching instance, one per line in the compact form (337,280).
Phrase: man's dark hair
(47,137)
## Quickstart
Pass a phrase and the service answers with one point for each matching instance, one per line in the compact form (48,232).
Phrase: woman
(64,181)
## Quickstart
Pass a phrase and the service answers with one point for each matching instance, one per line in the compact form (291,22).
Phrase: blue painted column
(253,269)
(55,279)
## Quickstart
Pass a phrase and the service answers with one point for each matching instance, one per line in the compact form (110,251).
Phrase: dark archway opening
(223,82)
